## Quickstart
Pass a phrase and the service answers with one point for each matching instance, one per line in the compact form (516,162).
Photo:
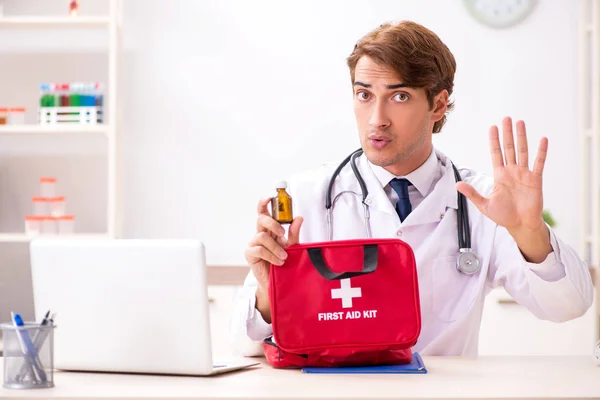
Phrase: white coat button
(399,233)
(368,202)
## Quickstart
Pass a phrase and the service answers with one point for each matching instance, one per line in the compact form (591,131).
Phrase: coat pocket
(453,293)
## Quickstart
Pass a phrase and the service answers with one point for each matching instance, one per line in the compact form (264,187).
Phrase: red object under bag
(344,303)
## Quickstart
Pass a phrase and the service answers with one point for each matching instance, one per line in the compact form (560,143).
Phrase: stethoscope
(467,261)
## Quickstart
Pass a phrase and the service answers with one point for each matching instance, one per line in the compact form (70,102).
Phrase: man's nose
(379,118)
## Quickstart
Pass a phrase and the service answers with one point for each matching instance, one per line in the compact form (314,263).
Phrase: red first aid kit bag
(344,303)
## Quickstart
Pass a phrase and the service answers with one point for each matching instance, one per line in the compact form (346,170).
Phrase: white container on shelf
(49,225)
(47,186)
(66,224)
(56,206)
(16,116)
(33,224)
(71,115)
(40,205)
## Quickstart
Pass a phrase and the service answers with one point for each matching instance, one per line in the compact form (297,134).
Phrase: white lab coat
(558,289)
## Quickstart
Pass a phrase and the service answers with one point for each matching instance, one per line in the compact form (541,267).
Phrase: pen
(41,334)
(28,349)
(38,341)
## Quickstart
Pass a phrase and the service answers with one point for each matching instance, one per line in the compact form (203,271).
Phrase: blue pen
(38,341)
(28,349)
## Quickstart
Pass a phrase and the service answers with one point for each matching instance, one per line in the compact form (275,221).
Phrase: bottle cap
(281,185)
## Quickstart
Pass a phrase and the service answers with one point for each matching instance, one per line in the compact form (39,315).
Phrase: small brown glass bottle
(281,204)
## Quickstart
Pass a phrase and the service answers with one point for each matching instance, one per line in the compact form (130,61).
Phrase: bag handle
(369,263)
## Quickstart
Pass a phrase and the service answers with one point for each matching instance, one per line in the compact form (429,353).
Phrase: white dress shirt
(422,180)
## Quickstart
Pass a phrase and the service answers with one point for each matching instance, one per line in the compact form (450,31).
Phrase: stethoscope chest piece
(467,262)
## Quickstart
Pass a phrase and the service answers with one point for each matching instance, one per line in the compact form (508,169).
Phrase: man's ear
(440,105)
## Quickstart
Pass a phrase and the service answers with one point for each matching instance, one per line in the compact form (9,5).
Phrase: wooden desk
(448,377)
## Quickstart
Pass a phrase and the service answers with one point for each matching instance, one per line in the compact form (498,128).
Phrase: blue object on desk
(28,348)
(38,341)
(416,366)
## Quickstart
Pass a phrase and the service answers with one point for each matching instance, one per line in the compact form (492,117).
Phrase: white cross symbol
(346,293)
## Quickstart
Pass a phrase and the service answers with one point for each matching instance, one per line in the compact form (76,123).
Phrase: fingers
(269,242)
(282,241)
(495,150)
(508,141)
(265,223)
(523,157)
(294,232)
(257,254)
(508,145)
(264,247)
(540,160)
(470,193)
(262,207)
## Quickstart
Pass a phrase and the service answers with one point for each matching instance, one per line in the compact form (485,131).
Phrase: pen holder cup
(28,356)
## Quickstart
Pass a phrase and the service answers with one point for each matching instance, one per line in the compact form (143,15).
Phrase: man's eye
(401,97)
(362,95)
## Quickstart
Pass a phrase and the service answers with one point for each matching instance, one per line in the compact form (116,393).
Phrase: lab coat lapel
(377,198)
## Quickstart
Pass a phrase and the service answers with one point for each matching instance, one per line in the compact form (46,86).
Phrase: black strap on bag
(369,263)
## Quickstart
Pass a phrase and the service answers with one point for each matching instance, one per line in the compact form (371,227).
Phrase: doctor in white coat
(402,76)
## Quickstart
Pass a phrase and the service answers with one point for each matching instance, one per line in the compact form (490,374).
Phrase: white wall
(214,90)
(225,98)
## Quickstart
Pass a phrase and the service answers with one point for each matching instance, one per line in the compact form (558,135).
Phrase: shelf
(29,140)
(34,129)
(53,22)
(23,238)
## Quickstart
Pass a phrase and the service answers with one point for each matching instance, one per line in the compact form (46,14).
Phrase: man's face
(395,122)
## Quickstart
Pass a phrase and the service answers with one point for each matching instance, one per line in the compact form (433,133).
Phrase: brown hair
(415,53)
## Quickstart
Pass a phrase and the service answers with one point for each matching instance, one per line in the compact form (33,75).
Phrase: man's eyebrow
(357,83)
(395,86)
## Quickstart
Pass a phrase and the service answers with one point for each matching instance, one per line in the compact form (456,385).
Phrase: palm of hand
(516,200)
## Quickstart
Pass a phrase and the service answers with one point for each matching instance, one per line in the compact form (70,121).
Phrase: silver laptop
(128,305)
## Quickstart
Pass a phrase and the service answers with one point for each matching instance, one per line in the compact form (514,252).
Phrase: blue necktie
(403,207)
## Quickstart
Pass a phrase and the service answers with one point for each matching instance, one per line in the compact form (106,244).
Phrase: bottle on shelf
(47,95)
(73,8)
(16,115)
(49,212)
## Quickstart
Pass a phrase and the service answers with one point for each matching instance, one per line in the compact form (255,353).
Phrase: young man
(403,76)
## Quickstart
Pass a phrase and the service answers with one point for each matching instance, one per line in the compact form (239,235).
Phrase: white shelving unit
(589,123)
(54,22)
(32,129)
(109,130)
(23,238)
